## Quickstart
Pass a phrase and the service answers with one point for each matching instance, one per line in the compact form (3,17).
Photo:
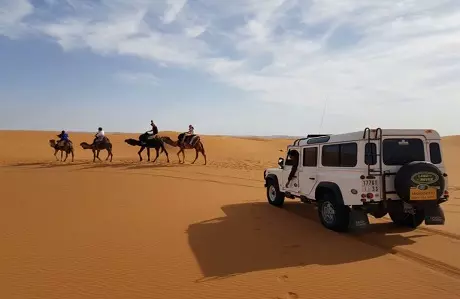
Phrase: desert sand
(131,229)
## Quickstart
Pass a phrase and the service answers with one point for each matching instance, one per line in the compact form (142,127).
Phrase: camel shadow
(257,236)
(46,164)
(161,164)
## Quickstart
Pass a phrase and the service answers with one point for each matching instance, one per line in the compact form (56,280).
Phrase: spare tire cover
(418,174)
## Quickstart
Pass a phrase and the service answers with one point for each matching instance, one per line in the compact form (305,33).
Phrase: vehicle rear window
(400,151)
(370,154)
(435,153)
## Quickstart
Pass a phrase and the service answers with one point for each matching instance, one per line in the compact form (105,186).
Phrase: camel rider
(63,138)
(100,135)
(154,129)
(189,133)
(191,130)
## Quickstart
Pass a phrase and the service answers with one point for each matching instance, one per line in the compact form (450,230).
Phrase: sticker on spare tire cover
(425,178)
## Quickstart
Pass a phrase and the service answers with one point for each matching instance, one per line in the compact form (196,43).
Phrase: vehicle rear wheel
(274,195)
(333,215)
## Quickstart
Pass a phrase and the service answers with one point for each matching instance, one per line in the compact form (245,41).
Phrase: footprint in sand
(282,278)
(289,295)
(292,295)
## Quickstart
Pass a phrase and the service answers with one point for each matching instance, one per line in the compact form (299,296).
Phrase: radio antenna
(322,117)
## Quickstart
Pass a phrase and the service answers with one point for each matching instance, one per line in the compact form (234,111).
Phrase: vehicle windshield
(400,151)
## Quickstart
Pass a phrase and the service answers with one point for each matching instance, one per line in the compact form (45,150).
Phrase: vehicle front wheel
(274,195)
(333,215)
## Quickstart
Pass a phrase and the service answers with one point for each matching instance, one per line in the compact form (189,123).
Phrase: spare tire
(419,175)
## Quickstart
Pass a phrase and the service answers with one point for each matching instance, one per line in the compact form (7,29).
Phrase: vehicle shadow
(256,236)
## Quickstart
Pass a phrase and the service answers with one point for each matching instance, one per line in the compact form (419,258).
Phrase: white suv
(375,171)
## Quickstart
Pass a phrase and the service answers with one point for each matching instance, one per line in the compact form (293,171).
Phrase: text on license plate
(370,185)
(427,194)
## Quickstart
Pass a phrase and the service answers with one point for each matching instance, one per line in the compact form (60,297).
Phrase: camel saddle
(146,136)
(188,139)
(62,143)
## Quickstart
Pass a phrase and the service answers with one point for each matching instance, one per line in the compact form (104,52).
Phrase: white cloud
(174,8)
(138,78)
(12,13)
(361,54)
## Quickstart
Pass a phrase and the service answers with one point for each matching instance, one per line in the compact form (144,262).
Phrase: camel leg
(183,155)
(156,149)
(55,154)
(61,156)
(204,156)
(66,155)
(139,153)
(97,155)
(178,157)
(94,155)
(196,155)
(166,153)
(109,154)
(148,154)
(72,155)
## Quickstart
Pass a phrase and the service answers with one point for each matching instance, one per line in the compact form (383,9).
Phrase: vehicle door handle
(312,179)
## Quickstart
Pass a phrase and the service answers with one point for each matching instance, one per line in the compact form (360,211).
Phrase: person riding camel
(189,134)
(63,138)
(154,129)
(100,135)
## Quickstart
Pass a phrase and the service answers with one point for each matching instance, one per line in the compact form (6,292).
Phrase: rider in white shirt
(99,135)
(191,130)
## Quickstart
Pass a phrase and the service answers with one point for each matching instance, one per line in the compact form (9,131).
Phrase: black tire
(274,196)
(400,218)
(338,220)
(406,178)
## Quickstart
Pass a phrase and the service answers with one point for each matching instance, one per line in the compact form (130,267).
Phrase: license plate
(370,186)
(427,194)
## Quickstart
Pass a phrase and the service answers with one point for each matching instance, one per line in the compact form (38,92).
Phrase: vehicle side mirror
(281,163)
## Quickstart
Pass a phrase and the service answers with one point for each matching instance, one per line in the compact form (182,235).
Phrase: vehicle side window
(310,156)
(331,155)
(291,160)
(340,155)
(370,154)
(435,153)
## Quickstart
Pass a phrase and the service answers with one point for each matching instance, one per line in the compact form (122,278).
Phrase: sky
(239,67)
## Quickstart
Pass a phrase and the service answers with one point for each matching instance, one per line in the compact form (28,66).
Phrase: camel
(96,148)
(67,148)
(145,143)
(198,146)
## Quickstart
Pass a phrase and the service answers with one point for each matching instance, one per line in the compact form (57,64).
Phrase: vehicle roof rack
(310,136)
(317,135)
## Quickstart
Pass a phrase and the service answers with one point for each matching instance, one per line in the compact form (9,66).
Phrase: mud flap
(358,220)
(434,215)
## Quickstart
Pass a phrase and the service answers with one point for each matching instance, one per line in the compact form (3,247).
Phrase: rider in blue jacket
(64,137)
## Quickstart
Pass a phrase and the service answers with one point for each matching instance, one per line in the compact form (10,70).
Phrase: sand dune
(166,230)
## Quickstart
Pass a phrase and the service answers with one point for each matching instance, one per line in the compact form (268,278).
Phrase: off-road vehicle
(376,171)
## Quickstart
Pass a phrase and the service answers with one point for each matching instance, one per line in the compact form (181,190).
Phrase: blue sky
(242,67)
